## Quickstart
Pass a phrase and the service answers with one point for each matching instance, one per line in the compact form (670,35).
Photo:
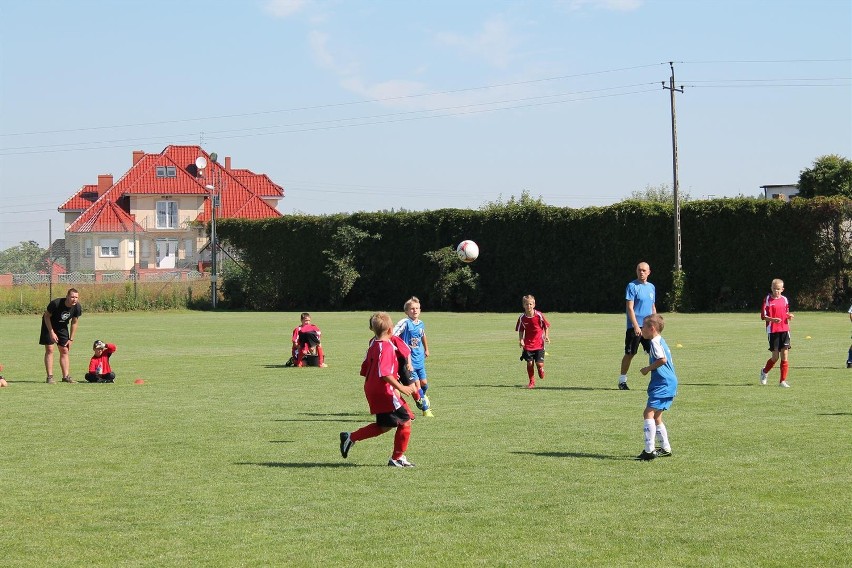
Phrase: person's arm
(46,319)
(110,348)
(72,329)
(425,345)
(655,365)
(392,381)
(546,329)
(632,316)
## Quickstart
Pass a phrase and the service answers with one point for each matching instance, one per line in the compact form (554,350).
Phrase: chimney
(104,183)
(137,155)
(227,163)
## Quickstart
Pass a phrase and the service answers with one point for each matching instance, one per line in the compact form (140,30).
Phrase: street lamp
(201,163)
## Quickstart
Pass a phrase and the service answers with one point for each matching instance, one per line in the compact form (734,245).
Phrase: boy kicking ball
(380,370)
(661,389)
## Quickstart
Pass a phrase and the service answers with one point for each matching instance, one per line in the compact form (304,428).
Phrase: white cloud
(284,8)
(494,43)
(613,5)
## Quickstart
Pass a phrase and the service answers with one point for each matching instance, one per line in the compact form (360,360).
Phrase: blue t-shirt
(413,333)
(644,298)
(663,380)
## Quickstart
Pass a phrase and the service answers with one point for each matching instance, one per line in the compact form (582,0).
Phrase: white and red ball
(468,251)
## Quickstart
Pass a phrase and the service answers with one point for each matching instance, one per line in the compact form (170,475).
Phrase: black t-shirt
(61,315)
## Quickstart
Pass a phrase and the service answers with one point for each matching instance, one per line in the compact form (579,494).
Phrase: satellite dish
(200,162)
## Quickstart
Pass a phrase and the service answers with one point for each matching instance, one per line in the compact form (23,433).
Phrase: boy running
(533,332)
(380,369)
(413,331)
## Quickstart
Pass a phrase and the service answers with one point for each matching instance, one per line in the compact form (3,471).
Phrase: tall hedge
(571,259)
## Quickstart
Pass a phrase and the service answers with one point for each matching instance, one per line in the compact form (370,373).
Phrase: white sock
(663,437)
(622,379)
(649,431)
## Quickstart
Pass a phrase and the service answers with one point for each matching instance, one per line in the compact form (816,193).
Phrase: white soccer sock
(649,431)
(622,379)
(663,437)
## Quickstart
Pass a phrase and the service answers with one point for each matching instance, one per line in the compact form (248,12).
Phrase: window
(166,171)
(109,248)
(131,249)
(167,214)
(187,245)
(87,247)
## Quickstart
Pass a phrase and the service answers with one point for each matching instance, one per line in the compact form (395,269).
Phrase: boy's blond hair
(411,300)
(528,297)
(656,321)
(776,281)
(381,323)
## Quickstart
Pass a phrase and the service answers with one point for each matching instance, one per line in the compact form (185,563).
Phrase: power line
(334,105)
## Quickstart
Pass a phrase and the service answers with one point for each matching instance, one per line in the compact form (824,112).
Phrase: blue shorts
(418,374)
(660,403)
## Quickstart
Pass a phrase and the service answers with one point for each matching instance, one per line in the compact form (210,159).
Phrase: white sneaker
(784,384)
(762,377)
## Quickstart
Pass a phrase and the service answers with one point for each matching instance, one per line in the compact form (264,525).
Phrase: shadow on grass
(324,417)
(297,465)
(826,367)
(834,414)
(281,441)
(539,386)
(281,366)
(576,455)
(719,384)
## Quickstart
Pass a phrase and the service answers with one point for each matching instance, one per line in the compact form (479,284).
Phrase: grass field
(223,457)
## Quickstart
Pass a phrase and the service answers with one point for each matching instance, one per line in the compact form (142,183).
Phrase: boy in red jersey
(533,332)
(306,344)
(100,370)
(776,314)
(380,370)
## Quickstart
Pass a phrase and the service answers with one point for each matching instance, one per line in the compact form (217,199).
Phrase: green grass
(225,458)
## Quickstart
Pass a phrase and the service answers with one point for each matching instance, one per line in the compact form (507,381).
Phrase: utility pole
(671,88)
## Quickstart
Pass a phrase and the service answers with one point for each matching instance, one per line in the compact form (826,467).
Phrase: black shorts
(632,342)
(45,339)
(779,340)
(393,419)
(311,360)
(536,355)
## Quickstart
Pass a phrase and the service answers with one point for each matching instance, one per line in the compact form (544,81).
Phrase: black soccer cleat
(646,456)
(623,386)
(345,444)
(661,453)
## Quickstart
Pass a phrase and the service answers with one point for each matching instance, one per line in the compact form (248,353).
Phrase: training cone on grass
(139,382)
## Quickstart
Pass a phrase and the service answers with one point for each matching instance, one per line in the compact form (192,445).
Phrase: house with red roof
(155,215)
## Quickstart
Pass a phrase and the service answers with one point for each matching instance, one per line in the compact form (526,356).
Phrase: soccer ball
(467,251)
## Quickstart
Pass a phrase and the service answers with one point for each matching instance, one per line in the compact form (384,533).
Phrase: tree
(341,260)
(22,258)
(830,175)
(662,193)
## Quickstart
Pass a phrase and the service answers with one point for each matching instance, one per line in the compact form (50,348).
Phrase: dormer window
(166,171)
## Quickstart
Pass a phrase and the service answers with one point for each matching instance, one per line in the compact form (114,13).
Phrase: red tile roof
(258,183)
(80,203)
(104,217)
(241,191)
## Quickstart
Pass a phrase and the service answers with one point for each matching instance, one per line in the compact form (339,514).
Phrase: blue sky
(378,104)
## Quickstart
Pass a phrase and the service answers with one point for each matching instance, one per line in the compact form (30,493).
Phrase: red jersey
(380,362)
(533,327)
(776,308)
(102,361)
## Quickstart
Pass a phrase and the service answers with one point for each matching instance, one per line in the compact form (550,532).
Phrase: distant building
(783,191)
(155,215)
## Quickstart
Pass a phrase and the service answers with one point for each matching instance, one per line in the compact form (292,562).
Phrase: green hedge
(571,259)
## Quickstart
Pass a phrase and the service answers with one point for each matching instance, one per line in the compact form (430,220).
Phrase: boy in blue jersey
(640,298)
(413,332)
(661,389)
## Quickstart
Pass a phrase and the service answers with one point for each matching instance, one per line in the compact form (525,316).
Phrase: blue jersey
(413,334)
(663,380)
(643,297)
